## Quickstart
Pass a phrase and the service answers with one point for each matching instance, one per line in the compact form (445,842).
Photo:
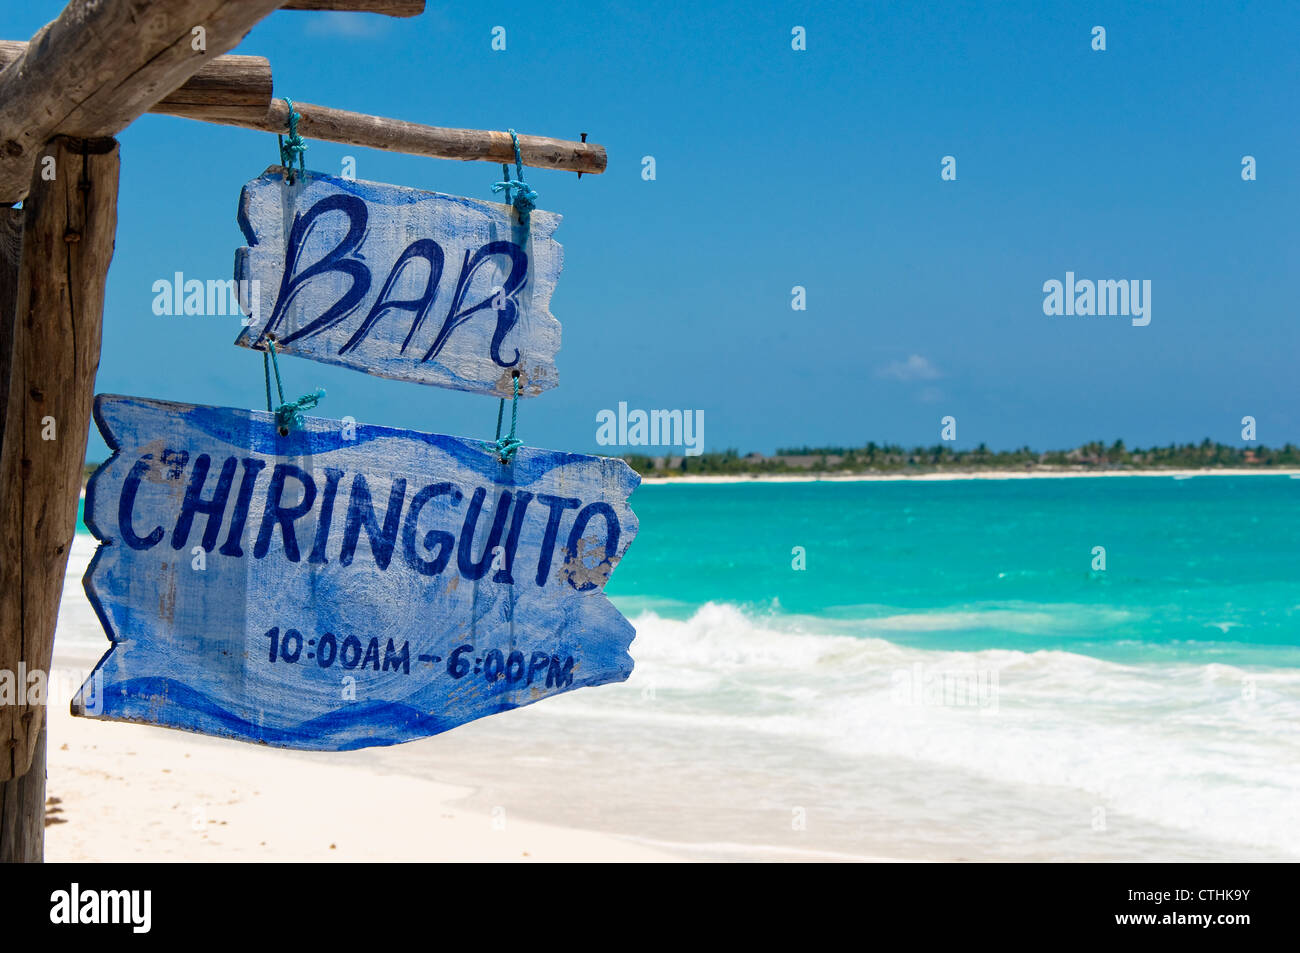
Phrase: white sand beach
(802,752)
(124,792)
(135,793)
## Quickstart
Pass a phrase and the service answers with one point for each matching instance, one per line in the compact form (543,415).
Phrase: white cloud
(915,368)
(352,25)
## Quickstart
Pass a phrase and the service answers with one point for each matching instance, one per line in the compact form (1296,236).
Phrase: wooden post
(22,812)
(22,829)
(11,245)
(69,219)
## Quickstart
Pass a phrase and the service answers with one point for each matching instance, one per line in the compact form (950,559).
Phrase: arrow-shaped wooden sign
(412,285)
(343,586)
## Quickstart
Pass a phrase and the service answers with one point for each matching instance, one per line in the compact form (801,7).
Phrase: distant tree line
(894,458)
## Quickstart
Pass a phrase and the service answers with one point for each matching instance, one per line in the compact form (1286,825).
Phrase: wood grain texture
(236,87)
(103,63)
(67,245)
(389,8)
(343,587)
(401,283)
(396,135)
(236,91)
(11,246)
(22,812)
(22,831)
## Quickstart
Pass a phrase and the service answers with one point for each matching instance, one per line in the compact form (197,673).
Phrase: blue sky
(819,168)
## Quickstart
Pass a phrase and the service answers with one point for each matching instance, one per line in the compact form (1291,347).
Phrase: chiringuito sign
(343,587)
(401,283)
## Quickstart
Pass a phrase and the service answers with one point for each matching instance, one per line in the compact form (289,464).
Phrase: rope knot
(288,416)
(518,192)
(295,146)
(520,195)
(504,447)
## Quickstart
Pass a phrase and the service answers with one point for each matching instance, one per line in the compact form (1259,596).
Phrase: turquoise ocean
(933,669)
(1200,570)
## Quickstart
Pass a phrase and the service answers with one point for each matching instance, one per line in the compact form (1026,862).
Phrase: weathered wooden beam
(69,219)
(390,8)
(395,135)
(238,87)
(103,63)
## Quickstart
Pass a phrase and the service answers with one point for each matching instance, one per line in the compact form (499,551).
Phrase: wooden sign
(343,587)
(412,285)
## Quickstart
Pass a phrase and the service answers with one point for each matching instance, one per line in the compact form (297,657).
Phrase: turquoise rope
(296,145)
(288,416)
(270,349)
(518,193)
(505,447)
(266,369)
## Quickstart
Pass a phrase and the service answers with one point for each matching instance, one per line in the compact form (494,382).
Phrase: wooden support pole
(22,829)
(237,87)
(22,799)
(390,8)
(395,135)
(11,253)
(22,812)
(103,63)
(68,223)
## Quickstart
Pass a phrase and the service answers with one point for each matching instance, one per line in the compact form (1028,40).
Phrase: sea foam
(1212,749)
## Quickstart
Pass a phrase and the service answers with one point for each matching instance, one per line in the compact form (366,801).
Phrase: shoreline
(127,792)
(960,475)
(630,777)
(136,793)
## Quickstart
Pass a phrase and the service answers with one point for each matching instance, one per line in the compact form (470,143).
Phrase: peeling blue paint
(343,587)
(400,283)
